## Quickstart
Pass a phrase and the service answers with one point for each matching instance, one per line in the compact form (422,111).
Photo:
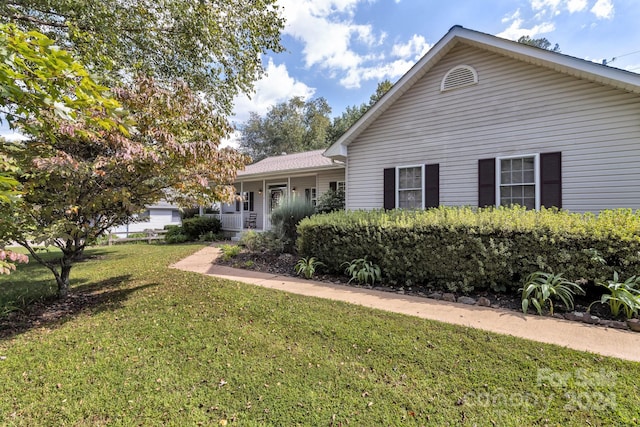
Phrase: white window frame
(536,175)
(398,183)
(313,195)
(341,185)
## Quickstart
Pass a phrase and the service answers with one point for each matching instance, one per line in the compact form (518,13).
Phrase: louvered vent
(459,76)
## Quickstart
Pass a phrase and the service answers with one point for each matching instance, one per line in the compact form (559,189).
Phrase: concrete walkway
(575,335)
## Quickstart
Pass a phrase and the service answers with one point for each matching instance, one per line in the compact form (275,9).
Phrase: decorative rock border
(575,316)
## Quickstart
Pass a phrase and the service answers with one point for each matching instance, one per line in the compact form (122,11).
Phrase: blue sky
(341,49)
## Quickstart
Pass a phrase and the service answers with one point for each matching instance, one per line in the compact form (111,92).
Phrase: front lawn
(152,346)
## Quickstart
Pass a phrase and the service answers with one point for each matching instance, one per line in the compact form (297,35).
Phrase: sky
(342,49)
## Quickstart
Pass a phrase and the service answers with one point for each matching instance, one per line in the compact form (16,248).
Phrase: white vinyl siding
(515,108)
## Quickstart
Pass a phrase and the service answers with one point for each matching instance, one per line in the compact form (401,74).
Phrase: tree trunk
(63,281)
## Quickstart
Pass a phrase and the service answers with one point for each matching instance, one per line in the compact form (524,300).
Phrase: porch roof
(293,163)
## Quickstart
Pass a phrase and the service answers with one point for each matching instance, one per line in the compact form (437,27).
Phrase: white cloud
(414,48)
(349,51)
(517,30)
(276,86)
(603,9)
(576,5)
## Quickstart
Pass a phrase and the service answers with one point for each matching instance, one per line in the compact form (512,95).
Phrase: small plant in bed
(230,251)
(623,297)
(307,267)
(541,288)
(363,271)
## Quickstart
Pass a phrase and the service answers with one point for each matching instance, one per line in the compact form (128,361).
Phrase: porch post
(241,205)
(265,209)
(289,187)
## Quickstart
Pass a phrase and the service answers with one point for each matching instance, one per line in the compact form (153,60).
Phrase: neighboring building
(480,120)
(264,184)
(154,218)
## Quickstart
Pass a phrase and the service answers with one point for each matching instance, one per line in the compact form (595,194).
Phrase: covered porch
(264,185)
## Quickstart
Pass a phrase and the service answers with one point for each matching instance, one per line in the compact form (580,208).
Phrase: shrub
(286,217)
(230,251)
(330,201)
(307,267)
(362,271)
(462,249)
(622,296)
(175,234)
(211,237)
(193,228)
(541,288)
(266,241)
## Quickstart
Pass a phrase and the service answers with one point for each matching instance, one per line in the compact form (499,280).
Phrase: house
(481,120)
(155,217)
(263,185)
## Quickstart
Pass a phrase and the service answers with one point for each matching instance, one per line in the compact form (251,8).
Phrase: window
(518,181)
(175,216)
(247,198)
(337,185)
(311,196)
(410,188)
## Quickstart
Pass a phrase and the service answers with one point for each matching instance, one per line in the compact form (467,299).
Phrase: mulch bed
(283,264)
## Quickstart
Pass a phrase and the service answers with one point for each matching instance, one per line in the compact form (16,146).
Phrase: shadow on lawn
(91,298)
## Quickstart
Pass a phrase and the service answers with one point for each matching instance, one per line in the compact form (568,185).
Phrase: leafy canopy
(213,45)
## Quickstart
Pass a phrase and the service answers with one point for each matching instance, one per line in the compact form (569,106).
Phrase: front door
(276,197)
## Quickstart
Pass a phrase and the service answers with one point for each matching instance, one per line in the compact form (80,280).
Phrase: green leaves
(307,267)
(363,271)
(540,289)
(623,296)
(214,45)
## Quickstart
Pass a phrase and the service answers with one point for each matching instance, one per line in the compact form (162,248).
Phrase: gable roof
(290,163)
(577,67)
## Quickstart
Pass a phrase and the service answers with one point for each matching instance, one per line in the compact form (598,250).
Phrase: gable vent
(459,76)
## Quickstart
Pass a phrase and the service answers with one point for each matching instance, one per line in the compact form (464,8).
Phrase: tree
(81,183)
(213,45)
(353,113)
(39,82)
(288,127)
(542,43)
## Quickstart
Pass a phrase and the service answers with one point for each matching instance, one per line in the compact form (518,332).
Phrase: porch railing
(229,221)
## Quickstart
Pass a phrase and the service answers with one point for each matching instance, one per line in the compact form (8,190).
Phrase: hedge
(195,227)
(465,249)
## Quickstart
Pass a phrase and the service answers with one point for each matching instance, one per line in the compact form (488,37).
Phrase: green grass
(176,348)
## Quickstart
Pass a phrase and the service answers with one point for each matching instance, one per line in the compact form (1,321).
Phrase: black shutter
(333,185)
(486,182)
(551,179)
(390,188)
(432,185)
(250,201)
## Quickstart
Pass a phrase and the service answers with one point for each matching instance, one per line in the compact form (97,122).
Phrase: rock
(400,291)
(467,300)
(495,306)
(558,315)
(449,297)
(634,324)
(618,325)
(435,295)
(576,315)
(592,320)
(484,302)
